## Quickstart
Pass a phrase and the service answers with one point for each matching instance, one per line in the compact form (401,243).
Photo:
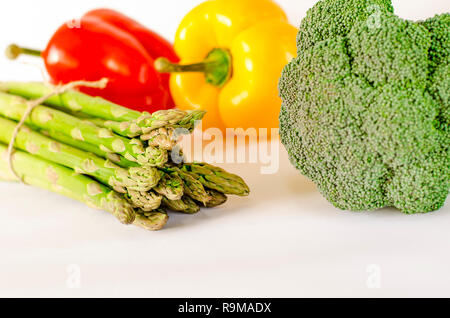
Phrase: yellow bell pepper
(232,53)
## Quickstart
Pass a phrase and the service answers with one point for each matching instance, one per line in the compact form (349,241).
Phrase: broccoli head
(366,110)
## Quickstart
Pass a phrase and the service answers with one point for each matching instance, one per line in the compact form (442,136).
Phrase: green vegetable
(117,159)
(42,117)
(171,186)
(365,111)
(193,187)
(135,182)
(97,107)
(151,221)
(217,179)
(145,201)
(53,177)
(124,129)
(187,205)
(217,198)
(72,100)
(107,156)
(184,205)
(163,138)
(122,180)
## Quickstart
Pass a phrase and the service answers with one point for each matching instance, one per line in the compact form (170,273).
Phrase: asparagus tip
(151,221)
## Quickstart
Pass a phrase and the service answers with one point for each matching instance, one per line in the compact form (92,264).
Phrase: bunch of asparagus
(107,156)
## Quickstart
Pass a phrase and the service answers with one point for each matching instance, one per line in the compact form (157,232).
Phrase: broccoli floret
(440,36)
(440,90)
(362,116)
(332,18)
(439,73)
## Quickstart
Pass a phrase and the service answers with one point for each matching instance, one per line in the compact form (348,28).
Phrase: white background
(285,240)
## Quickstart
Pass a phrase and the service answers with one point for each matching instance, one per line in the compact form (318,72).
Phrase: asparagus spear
(192,186)
(170,186)
(184,205)
(217,179)
(217,198)
(177,182)
(71,100)
(101,108)
(152,221)
(126,181)
(56,178)
(162,138)
(50,119)
(173,118)
(146,123)
(145,201)
(135,178)
(125,128)
(189,206)
(117,159)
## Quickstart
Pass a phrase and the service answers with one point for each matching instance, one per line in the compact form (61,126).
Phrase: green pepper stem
(14,51)
(217,67)
(163,65)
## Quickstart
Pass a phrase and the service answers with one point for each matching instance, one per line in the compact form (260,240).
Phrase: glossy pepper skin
(107,44)
(155,45)
(259,41)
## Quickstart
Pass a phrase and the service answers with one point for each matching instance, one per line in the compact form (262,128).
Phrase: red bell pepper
(107,44)
(156,45)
